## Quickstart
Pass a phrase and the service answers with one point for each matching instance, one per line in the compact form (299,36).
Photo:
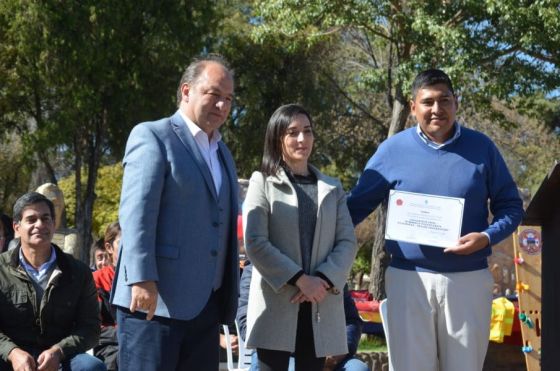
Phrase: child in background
(99,256)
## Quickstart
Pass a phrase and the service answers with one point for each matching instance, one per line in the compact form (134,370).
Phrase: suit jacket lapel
(229,166)
(227,163)
(180,128)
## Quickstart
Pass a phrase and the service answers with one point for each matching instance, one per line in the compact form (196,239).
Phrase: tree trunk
(379,256)
(401,110)
(85,200)
(79,212)
(43,172)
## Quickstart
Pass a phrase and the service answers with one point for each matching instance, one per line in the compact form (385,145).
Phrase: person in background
(49,315)
(300,239)
(107,349)
(6,232)
(439,300)
(100,258)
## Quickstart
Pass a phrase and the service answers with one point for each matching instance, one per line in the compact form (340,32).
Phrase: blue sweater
(469,167)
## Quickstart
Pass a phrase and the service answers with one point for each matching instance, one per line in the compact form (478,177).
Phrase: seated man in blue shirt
(344,362)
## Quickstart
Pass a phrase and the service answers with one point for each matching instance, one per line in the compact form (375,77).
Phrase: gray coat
(272,242)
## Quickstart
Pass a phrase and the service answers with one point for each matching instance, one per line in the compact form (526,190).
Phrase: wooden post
(544,211)
(527,244)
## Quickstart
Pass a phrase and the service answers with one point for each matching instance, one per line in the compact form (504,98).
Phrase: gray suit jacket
(168,215)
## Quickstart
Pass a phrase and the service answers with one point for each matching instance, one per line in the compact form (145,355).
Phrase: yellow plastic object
(501,322)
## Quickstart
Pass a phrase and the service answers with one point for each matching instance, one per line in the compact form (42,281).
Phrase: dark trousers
(165,344)
(305,359)
(108,348)
(80,362)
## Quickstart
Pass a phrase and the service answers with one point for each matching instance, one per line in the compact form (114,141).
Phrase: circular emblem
(530,241)
(399,202)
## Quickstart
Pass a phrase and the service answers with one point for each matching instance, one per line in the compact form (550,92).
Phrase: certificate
(424,219)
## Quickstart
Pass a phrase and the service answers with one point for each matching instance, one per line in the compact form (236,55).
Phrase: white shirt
(435,145)
(208,149)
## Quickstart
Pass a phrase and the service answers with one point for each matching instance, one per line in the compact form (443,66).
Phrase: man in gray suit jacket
(177,275)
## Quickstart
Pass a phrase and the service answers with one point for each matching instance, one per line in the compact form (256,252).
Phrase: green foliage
(284,69)
(494,49)
(75,78)
(529,146)
(362,263)
(106,206)
(14,173)
(372,344)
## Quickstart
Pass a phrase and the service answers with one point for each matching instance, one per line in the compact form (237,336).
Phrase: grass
(372,343)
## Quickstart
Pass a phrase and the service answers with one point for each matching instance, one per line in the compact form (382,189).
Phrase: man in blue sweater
(439,299)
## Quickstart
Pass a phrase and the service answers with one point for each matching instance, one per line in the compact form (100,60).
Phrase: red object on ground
(360,295)
(515,338)
(367,306)
(364,301)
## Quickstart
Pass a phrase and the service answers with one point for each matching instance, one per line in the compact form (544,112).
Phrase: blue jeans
(349,364)
(80,362)
(83,362)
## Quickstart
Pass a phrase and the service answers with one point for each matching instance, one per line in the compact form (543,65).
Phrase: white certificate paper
(424,219)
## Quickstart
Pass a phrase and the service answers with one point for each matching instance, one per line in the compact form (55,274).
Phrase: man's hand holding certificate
(469,243)
(425,219)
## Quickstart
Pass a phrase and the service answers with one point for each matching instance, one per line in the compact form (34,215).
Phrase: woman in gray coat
(300,238)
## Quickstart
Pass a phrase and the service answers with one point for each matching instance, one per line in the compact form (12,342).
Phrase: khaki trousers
(438,321)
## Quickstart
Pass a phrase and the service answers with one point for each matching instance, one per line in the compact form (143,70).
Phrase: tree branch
(500,53)
(542,57)
(354,103)
(456,19)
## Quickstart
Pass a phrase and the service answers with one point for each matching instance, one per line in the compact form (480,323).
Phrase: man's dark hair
(429,78)
(98,244)
(30,198)
(275,131)
(194,70)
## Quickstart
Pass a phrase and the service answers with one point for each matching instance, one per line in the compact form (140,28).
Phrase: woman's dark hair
(275,131)
(8,228)
(112,231)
